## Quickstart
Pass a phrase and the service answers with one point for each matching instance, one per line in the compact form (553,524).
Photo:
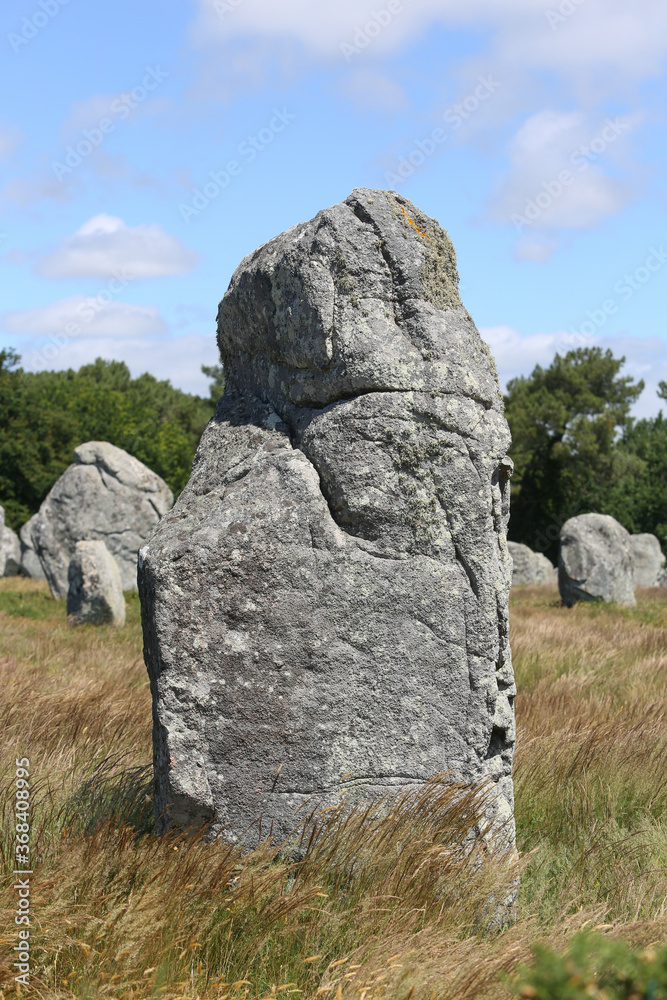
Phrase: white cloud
(178,359)
(87,113)
(82,145)
(609,37)
(557,177)
(646,358)
(105,245)
(91,316)
(536,247)
(26,190)
(603,52)
(600,36)
(116,108)
(517,354)
(322,28)
(33,187)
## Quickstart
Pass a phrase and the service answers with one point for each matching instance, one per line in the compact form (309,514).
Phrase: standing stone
(106,495)
(649,560)
(325,609)
(530,568)
(30,564)
(10,548)
(596,561)
(95,595)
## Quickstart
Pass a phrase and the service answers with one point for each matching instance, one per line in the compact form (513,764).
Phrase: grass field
(382,905)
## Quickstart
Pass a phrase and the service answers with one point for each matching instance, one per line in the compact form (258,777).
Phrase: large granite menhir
(325,609)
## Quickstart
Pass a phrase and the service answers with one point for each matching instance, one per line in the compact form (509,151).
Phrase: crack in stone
(373,779)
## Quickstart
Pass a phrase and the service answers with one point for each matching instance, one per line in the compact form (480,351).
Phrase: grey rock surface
(530,568)
(95,594)
(106,495)
(325,609)
(30,564)
(649,560)
(596,561)
(10,548)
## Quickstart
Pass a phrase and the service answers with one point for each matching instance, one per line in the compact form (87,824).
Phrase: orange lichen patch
(413,223)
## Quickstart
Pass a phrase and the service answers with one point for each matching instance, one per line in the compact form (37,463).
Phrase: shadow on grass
(113,794)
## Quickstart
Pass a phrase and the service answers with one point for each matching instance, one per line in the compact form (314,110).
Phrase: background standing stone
(596,561)
(106,495)
(530,568)
(95,594)
(325,609)
(10,548)
(30,564)
(649,560)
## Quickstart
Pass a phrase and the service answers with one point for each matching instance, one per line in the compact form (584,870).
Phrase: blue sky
(146,148)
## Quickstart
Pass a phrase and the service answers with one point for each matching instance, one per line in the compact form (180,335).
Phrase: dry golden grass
(387,903)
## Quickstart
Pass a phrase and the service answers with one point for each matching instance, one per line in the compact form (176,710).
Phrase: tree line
(576,447)
(45,415)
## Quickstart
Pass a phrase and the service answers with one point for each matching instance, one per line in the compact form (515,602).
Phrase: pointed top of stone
(362,298)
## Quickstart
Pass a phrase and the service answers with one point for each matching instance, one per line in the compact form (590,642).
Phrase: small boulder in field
(530,568)
(649,560)
(596,561)
(106,495)
(30,564)
(10,548)
(95,595)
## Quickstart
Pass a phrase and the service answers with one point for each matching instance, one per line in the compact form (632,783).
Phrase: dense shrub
(595,966)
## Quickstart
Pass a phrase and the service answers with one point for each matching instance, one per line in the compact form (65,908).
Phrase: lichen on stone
(439,275)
